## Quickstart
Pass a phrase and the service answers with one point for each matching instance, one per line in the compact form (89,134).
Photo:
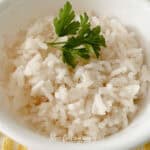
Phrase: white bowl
(134,14)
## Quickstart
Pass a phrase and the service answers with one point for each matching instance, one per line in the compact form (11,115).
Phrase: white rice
(92,101)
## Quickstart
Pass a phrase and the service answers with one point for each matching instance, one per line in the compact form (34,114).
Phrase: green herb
(83,40)
(64,23)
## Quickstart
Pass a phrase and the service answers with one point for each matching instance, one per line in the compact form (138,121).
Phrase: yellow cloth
(9,144)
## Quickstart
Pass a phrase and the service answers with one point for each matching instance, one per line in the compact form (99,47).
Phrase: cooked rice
(94,100)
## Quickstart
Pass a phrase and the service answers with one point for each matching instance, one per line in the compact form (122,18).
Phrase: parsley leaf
(84,25)
(69,58)
(72,56)
(73,42)
(64,23)
(83,53)
(96,40)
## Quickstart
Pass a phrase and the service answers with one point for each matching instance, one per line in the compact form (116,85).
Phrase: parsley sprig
(83,40)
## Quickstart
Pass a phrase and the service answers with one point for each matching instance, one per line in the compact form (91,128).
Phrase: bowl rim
(33,140)
(29,138)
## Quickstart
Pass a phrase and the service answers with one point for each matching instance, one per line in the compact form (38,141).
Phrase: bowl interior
(133,14)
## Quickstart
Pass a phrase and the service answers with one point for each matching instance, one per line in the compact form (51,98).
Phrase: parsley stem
(56,43)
